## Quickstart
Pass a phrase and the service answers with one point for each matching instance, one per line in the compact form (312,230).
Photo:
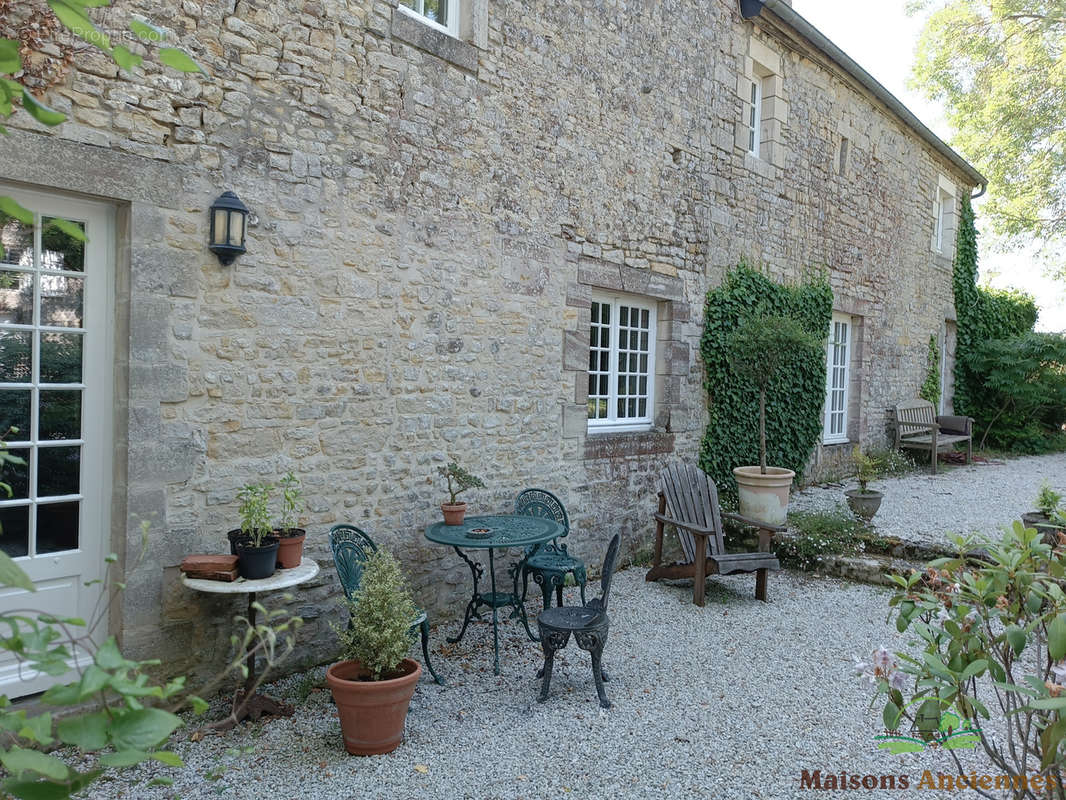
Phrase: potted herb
(459,480)
(760,349)
(373,684)
(291,538)
(863,501)
(257,547)
(1047,519)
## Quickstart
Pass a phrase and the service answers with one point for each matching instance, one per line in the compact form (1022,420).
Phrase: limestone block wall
(429,219)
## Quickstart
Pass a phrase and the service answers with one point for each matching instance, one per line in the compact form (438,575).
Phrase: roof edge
(784,12)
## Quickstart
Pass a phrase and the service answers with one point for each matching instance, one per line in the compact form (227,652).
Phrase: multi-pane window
(755,117)
(838,352)
(621,364)
(442,14)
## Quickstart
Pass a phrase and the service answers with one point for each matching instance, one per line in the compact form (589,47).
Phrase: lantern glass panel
(236,228)
(221,226)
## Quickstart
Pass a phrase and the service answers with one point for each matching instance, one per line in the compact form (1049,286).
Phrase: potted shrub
(1046,518)
(864,502)
(373,685)
(459,480)
(290,537)
(257,547)
(759,350)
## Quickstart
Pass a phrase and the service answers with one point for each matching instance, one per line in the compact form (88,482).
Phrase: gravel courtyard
(979,498)
(731,700)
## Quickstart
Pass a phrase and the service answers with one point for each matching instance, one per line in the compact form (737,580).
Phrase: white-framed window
(440,14)
(838,353)
(755,117)
(943,214)
(621,363)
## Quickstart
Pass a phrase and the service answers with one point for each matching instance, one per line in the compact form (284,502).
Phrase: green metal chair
(351,548)
(551,563)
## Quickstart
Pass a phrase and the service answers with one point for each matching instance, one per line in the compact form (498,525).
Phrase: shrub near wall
(793,404)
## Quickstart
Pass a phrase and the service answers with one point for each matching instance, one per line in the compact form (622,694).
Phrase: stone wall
(429,220)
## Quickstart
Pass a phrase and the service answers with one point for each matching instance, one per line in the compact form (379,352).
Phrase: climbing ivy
(931,387)
(793,403)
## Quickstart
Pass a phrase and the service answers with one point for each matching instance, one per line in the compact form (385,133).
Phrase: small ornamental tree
(459,481)
(382,610)
(760,350)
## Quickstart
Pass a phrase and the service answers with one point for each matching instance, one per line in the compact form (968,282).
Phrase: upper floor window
(440,14)
(943,217)
(621,363)
(755,117)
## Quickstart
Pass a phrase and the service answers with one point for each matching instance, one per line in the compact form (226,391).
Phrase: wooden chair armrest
(687,526)
(754,523)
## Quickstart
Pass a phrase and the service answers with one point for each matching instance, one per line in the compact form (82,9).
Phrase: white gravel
(731,700)
(981,498)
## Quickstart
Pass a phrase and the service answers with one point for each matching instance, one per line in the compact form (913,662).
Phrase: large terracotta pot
(764,497)
(290,547)
(372,713)
(453,513)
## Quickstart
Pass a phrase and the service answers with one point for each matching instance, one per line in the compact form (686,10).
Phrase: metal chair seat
(572,618)
(550,564)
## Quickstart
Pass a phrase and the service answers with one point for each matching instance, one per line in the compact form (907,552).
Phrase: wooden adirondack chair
(688,500)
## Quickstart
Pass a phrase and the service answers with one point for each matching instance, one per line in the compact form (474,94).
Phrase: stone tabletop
(282,579)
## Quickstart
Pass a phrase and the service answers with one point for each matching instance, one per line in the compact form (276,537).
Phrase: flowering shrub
(990,636)
(818,533)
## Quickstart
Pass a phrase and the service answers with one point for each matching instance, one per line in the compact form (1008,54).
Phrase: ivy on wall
(793,404)
(931,386)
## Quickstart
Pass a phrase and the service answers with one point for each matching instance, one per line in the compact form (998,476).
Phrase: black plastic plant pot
(235,536)
(254,563)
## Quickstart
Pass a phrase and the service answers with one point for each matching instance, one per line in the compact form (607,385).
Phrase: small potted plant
(760,350)
(373,684)
(459,480)
(863,501)
(291,538)
(1046,518)
(257,547)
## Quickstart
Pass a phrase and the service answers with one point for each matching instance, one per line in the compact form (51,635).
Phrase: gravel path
(731,700)
(979,498)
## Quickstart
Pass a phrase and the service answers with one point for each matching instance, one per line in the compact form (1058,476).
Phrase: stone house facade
(444,213)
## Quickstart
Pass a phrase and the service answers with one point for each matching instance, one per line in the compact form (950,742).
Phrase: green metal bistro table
(497,532)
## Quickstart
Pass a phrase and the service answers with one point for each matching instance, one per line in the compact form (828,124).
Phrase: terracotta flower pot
(290,547)
(372,713)
(453,513)
(764,497)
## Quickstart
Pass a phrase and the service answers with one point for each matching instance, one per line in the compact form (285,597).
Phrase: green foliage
(996,66)
(381,613)
(459,480)
(255,511)
(7,458)
(931,385)
(292,501)
(988,626)
(813,534)
(793,402)
(866,468)
(892,463)
(1047,500)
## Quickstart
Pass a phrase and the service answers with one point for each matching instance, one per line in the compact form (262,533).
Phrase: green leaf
(10,60)
(85,731)
(1049,704)
(93,680)
(936,665)
(149,33)
(890,715)
(168,758)
(36,790)
(160,782)
(109,656)
(75,18)
(1050,738)
(901,745)
(25,216)
(178,60)
(66,694)
(123,758)
(143,729)
(39,111)
(71,229)
(963,740)
(1056,638)
(1015,638)
(125,59)
(198,704)
(37,728)
(17,760)
(974,669)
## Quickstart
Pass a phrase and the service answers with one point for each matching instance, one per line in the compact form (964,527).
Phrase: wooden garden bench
(688,500)
(918,428)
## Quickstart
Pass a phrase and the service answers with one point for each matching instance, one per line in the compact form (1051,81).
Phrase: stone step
(866,568)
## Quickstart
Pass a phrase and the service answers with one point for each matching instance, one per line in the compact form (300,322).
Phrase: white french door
(56,315)
(837,369)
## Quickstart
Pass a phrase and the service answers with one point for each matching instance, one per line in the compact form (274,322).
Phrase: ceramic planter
(255,563)
(764,497)
(290,547)
(372,713)
(453,513)
(864,504)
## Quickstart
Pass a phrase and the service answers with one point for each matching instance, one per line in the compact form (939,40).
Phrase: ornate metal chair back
(351,549)
(692,497)
(544,504)
(610,558)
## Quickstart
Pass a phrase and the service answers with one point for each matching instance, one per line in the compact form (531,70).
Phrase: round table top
(494,531)
(281,579)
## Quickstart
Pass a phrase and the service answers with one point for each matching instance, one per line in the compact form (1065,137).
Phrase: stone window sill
(624,445)
(425,37)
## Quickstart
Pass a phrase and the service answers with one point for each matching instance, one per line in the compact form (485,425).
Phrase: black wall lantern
(228,215)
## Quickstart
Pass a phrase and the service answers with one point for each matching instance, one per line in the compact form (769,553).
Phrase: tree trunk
(762,431)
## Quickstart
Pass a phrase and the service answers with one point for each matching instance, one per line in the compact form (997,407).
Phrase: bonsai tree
(459,480)
(292,502)
(255,512)
(379,633)
(759,351)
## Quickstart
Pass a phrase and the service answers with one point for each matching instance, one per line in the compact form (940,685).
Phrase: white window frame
(938,222)
(454,15)
(612,424)
(755,116)
(832,351)
(943,210)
